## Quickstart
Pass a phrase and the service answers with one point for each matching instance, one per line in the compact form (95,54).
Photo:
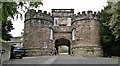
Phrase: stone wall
(37,33)
(5,56)
(38,25)
(87,39)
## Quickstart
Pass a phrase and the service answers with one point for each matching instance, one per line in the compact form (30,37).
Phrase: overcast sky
(78,5)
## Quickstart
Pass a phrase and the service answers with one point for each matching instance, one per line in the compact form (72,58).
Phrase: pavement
(32,60)
(84,60)
(63,59)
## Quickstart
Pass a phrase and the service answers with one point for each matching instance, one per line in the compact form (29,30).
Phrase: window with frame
(56,21)
(68,21)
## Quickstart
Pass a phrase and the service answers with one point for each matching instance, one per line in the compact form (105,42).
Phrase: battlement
(42,15)
(62,12)
(43,32)
(85,15)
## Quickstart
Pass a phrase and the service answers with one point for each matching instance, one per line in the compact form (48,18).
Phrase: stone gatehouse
(44,32)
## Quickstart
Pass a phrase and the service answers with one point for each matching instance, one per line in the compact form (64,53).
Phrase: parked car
(18,52)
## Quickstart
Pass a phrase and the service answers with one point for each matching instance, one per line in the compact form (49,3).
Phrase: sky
(78,5)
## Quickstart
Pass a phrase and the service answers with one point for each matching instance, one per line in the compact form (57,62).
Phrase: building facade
(45,32)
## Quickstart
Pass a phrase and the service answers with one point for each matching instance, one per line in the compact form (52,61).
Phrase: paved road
(63,59)
(32,60)
(84,60)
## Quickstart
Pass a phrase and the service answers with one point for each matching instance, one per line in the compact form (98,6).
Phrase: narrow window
(51,34)
(68,21)
(56,21)
(45,45)
(73,34)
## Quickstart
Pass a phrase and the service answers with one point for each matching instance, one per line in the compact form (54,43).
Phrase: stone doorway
(62,45)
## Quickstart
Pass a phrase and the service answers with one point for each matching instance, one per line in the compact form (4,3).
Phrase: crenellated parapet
(32,14)
(85,16)
(44,32)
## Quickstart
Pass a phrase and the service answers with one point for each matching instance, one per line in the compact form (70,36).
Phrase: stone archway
(62,42)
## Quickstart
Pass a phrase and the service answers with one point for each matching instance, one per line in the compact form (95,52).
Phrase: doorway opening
(62,46)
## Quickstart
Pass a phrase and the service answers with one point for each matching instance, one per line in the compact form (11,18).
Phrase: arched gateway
(64,42)
(43,32)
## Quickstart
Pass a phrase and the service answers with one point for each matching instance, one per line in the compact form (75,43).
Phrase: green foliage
(111,18)
(1,41)
(114,22)
(110,28)
(9,9)
(31,4)
(35,4)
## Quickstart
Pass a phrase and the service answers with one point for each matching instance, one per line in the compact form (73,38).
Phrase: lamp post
(1,52)
(0,58)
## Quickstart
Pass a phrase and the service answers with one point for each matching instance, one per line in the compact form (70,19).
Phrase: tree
(110,30)
(114,22)
(9,10)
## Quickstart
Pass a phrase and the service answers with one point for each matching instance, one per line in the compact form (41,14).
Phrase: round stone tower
(37,30)
(43,33)
(86,31)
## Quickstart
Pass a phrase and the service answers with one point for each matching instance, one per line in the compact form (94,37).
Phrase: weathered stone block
(37,32)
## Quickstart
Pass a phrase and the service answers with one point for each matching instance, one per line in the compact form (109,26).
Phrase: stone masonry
(43,32)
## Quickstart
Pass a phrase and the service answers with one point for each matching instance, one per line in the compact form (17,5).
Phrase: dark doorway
(62,42)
